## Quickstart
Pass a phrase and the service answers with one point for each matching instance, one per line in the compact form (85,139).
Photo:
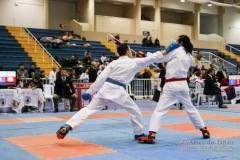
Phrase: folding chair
(48,92)
(129,91)
(199,91)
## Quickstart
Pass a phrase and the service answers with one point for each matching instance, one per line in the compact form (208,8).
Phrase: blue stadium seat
(11,52)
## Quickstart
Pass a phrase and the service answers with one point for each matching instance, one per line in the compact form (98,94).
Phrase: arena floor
(108,136)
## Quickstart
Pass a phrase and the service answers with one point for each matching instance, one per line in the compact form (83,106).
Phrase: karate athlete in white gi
(176,89)
(110,89)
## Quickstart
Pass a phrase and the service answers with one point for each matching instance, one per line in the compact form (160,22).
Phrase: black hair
(160,66)
(37,77)
(209,70)
(122,49)
(186,43)
(194,71)
(198,72)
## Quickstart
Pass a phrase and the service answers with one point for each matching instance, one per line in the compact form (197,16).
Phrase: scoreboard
(234,80)
(8,78)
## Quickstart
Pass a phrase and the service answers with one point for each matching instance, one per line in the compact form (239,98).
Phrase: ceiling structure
(222,3)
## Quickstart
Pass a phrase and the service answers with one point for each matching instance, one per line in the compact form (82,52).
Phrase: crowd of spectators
(148,42)
(86,68)
(58,42)
(219,76)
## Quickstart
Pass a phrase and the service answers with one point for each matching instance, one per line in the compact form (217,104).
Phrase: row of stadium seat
(11,52)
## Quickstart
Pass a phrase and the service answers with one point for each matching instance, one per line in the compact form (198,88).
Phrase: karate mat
(108,135)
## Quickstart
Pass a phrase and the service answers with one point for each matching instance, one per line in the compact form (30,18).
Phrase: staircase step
(111,46)
(34,51)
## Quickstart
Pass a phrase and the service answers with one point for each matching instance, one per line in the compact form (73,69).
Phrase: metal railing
(144,88)
(139,87)
(209,60)
(231,48)
(24,81)
(44,49)
(217,61)
(130,48)
(46,81)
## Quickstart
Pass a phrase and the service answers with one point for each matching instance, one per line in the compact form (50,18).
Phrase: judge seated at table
(211,88)
(34,83)
(64,89)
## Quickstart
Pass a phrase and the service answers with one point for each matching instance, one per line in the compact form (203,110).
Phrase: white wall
(103,36)
(61,13)
(149,26)
(30,13)
(85,26)
(26,13)
(171,31)
(115,25)
(231,26)
(211,38)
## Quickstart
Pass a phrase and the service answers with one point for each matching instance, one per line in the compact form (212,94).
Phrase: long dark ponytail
(186,43)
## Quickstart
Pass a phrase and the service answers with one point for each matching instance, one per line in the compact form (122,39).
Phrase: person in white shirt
(100,70)
(84,76)
(176,90)
(110,89)
(103,58)
(52,76)
(199,77)
(194,77)
(103,65)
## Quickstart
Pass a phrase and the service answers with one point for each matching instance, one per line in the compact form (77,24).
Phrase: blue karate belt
(116,82)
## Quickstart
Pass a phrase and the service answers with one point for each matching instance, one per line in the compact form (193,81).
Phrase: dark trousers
(73,100)
(146,88)
(219,96)
(132,86)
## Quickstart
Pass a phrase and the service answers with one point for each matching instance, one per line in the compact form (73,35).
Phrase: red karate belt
(175,79)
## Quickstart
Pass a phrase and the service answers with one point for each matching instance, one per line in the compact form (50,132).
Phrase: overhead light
(209,4)
(182,0)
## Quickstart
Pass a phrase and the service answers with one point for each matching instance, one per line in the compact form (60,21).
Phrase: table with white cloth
(237,91)
(6,99)
(18,98)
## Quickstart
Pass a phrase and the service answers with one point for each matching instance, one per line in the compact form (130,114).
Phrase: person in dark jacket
(35,82)
(92,72)
(222,74)
(146,82)
(211,89)
(64,89)
(162,75)
(31,71)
